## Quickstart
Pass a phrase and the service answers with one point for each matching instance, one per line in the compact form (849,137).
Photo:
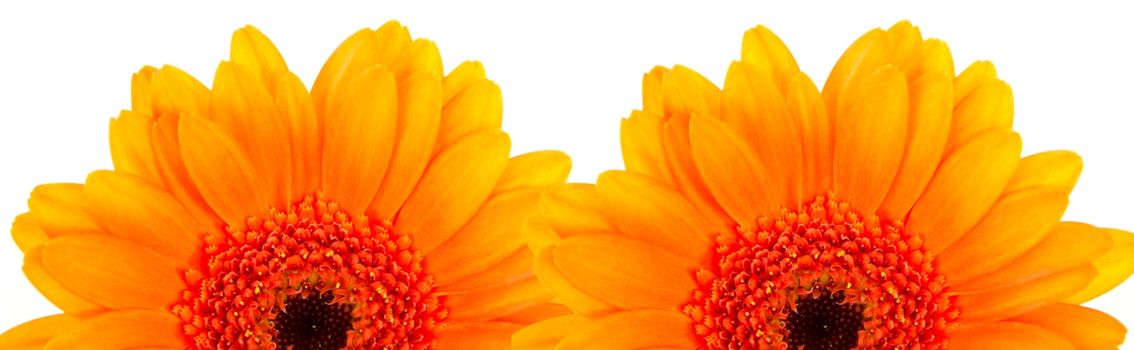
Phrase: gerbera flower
(891,210)
(379,211)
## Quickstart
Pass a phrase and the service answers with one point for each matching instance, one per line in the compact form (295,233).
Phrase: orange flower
(380,210)
(892,210)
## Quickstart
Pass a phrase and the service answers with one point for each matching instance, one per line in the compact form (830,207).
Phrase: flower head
(891,210)
(380,210)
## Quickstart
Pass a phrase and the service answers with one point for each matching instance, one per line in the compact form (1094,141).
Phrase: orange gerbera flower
(380,210)
(890,211)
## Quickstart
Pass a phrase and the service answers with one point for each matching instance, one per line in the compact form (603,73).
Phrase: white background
(568,71)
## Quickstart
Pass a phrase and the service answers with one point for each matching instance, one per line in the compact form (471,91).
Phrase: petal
(966,185)
(687,92)
(222,172)
(539,235)
(931,111)
(988,107)
(419,115)
(1057,169)
(354,55)
(640,329)
(647,210)
(1005,335)
(33,334)
(131,145)
(687,178)
(574,208)
(1085,328)
(52,290)
(294,103)
(26,233)
(642,148)
(534,169)
(738,180)
(175,174)
(454,186)
(358,139)
(653,99)
(976,74)
(251,48)
(140,212)
(467,73)
(536,313)
(865,55)
(490,236)
(625,272)
(492,303)
(546,334)
(126,329)
(804,101)
(140,85)
(417,57)
(174,92)
(1068,245)
(1017,299)
(1114,267)
(114,272)
(63,209)
(476,336)
(766,52)
(512,269)
(1015,224)
(870,136)
(478,107)
(563,288)
(754,106)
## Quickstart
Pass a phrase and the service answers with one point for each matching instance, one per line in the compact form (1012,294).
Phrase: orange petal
(490,236)
(140,85)
(988,107)
(35,333)
(625,272)
(392,40)
(114,272)
(454,186)
(419,116)
(476,336)
(1017,299)
(513,268)
(642,148)
(417,57)
(351,57)
(871,130)
(574,208)
(976,74)
(538,234)
(647,210)
(546,334)
(63,209)
(534,169)
(755,108)
(864,56)
(653,99)
(175,175)
(142,213)
(1016,223)
(804,101)
(358,139)
(966,185)
(125,329)
(56,293)
(1114,267)
(563,288)
(1005,335)
(174,92)
(536,313)
(931,111)
(223,173)
(251,48)
(1069,244)
(26,233)
(687,178)
(492,303)
(1057,169)
(131,145)
(687,92)
(294,103)
(467,73)
(766,52)
(640,329)
(478,107)
(734,175)
(931,56)
(1084,328)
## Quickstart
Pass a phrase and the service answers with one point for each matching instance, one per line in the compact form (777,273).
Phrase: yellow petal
(418,57)
(538,234)
(546,334)
(1069,244)
(687,92)
(419,116)
(645,209)
(755,108)
(125,329)
(131,145)
(987,107)
(358,140)
(931,111)
(1017,222)
(804,101)
(966,185)
(222,172)
(175,175)
(142,213)
(52,290)
(642,147)
(351,57)
(140,85)
(574,208)
(1057,169)
(1114,267)
(1084,328)
(63,209)
(461,78)
(1005,335)
(26,233)
(534,169)
(687,178)
(767,53)
(625,272)
(640,329)
(490,236)
(653,100)
(865,55)
(476,336)
(251,48)
(174,92)
(976,74)
(870,137)
(738,180)
(1017,299)
(492,303)
(454,186)
(478,107)
(563,288)
(35,333)
(114,272)
(294,103)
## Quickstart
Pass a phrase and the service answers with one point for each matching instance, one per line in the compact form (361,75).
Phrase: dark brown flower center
(825,322)
(313,323)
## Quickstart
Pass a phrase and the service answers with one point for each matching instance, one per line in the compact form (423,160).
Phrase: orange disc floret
(311,277)
(822,275)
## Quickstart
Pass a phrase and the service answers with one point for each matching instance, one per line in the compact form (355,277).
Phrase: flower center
(822,277)
(311,277)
